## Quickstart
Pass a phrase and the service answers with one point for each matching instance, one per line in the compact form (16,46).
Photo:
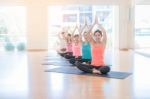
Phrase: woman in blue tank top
(86,49)
(86,46)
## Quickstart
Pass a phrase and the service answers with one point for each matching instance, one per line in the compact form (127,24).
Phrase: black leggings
(85,60)
(62,54)
(89,68)
(73,60)
(68,55)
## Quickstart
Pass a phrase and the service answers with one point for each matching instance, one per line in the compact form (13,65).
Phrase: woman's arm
(85,25)
(82,30)
(73,32)
(90,30)
(60,36)
(104,39)
(80,35)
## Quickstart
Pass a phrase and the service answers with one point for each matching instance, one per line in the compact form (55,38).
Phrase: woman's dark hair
(69,34)
(76,35)
(68,40)
(98,31)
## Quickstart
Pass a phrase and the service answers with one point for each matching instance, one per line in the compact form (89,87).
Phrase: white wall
(12,2)
(90,2)
(126,26)
(37,21)
(143,2)
(37,25)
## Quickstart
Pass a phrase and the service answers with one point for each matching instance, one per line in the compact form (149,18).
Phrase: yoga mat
(55,59)
(72,70)
(57,64)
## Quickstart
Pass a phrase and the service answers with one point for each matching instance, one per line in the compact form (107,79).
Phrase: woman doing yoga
(98,44)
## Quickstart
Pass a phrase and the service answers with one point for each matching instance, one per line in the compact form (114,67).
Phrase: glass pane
(142,26)
(12,26)
(69,16)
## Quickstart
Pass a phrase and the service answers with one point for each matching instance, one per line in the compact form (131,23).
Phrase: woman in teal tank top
(86,46)
(86,49)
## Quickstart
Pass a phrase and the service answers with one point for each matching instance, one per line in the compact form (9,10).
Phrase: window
(12,25)
(142,26)
(65,16)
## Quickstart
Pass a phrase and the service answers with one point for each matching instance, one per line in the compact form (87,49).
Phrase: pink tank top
(77,50)
(97,52)
(69,47)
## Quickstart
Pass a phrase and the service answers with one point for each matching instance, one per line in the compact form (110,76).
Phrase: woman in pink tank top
(68,43)
(98,42)
(69,52)
(65,44)
(76,48)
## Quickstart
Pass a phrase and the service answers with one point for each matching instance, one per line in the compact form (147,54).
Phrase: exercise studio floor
(22,76)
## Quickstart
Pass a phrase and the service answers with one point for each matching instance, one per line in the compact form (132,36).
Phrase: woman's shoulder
(97,44)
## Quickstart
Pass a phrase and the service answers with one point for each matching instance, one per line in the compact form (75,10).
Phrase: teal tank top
(86,50)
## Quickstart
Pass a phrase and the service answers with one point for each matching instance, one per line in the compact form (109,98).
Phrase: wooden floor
(22,77)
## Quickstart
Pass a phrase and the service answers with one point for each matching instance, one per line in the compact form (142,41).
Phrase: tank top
(86,50)
(69,47)
(97,52)
(77,50)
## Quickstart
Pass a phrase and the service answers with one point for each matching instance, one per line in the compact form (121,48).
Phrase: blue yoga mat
(57,63)
(72,70)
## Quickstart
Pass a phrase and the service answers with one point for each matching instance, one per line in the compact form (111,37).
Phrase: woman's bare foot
(95,71)
(76,62)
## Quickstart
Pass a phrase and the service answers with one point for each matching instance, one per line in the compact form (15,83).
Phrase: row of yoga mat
(62,65)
